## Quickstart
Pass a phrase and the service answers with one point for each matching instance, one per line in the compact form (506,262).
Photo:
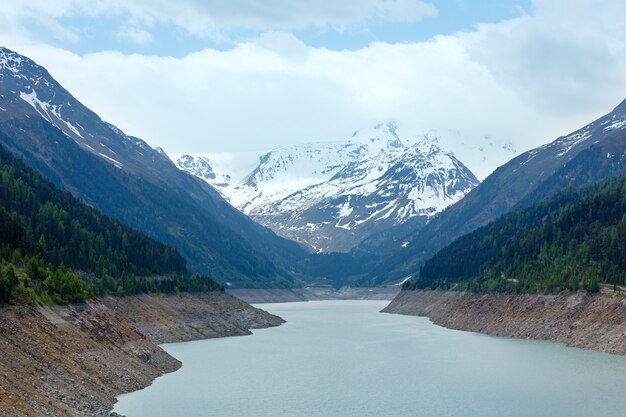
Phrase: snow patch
(573,140)
(113,161)
(403,281)
(344,209)
(50,112)
(616,124)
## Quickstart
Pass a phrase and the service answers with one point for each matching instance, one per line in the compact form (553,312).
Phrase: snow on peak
(200,166)
(373,193)
(311,192)
(10,61)
(32,83)
(22,71)
(383,136)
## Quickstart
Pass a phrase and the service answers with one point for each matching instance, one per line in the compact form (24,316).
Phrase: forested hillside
(593,153)
(47,237)
(124,178)
(570,242)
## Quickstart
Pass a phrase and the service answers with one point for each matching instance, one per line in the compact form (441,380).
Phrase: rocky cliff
(596,322)
(74,360)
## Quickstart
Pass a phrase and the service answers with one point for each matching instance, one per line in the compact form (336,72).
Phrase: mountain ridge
(128,180)
(594,152)
(331,195)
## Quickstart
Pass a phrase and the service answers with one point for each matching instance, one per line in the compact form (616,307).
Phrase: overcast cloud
(214,18)
(525,80)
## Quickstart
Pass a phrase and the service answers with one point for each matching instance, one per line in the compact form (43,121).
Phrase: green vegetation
(570,242)
(55,249)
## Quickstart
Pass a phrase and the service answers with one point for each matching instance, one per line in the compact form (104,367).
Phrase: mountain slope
(126,179)
(48,238)
(373,194)
(569,242)
(595,152)
(289,169)
(330,196)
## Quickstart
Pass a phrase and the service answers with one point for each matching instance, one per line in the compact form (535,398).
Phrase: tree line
(570,242)
(53,248)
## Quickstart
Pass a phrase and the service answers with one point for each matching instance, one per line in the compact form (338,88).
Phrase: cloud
(138,36)
(17,18)
(525,80)
(216,18)
(59,31)
(405,10)
(211,16)
(564,56)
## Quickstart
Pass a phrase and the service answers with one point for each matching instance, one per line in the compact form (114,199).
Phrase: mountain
(330,196)
(288,169)
(374,194)
(595,152)
(571,241)
(44,231)
(126,179)
(201,166)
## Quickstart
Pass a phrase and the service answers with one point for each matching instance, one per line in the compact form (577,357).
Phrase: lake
(345,359)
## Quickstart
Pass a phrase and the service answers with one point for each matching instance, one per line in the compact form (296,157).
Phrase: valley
(175,175)
(345,359)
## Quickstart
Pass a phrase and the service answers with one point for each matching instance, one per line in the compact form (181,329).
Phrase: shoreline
(588,321)
(75,360)
(265,296)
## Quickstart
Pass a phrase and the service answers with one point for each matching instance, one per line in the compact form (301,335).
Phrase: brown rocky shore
(74,360)
(261,296)
(596,322)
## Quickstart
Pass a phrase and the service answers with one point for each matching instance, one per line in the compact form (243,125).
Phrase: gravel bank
(256,296)
(74,360)
(596,322)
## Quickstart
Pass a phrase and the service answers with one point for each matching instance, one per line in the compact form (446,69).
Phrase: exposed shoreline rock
(73,361)
(261,296)
(587,321)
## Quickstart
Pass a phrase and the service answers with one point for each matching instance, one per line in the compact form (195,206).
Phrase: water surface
(344,359)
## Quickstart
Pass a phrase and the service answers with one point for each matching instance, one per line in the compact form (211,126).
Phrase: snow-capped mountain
(25,82)
(201,167)
(370,195)
(287,169)
(595,152)
(330,196)
(123,177)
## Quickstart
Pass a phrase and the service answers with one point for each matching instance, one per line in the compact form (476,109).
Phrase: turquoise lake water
(345,359)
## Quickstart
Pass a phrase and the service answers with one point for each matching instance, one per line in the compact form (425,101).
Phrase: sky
(251,75)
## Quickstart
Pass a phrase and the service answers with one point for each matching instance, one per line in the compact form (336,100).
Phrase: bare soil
(74,360)
(260,296)
(589,321)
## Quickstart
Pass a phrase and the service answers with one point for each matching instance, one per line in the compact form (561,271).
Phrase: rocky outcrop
(185,317)
(74,360)
(596,322)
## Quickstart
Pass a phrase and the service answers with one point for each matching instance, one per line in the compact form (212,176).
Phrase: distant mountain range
(592,153)
(386,203)
(126,179)
(331,196)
